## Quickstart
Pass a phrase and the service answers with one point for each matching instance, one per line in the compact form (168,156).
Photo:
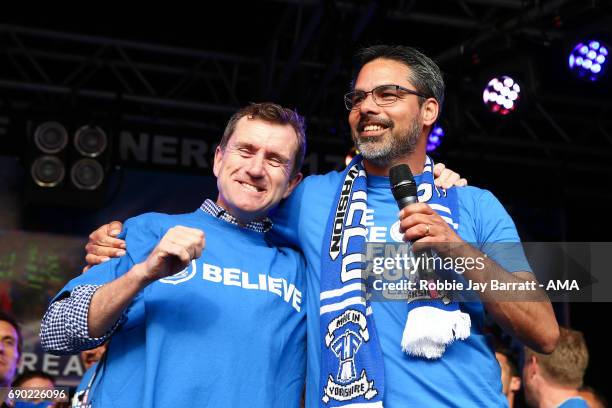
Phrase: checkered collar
(212,208)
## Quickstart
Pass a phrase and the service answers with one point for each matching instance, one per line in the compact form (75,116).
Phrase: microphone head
(402,182)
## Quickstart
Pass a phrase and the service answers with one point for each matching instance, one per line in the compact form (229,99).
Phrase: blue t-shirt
(575,402)
(80,399)
(468,374)
(228,331)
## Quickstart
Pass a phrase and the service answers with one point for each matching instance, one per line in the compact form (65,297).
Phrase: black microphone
(403,187)
(404,191)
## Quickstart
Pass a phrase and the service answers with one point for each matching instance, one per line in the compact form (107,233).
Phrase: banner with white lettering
(33,268)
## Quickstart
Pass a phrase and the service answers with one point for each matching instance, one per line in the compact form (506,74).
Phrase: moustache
(370,119)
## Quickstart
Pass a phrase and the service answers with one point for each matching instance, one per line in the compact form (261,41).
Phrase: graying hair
(425,74)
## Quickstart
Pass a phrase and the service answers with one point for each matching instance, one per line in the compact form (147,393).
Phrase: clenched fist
(174,252)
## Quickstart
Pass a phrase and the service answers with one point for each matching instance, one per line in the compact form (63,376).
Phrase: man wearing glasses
(396,99)
(427,352)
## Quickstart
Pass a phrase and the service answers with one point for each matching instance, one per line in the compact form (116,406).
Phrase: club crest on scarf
(351,369)
(344,343)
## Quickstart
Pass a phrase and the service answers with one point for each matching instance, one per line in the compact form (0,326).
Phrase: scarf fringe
(429,330)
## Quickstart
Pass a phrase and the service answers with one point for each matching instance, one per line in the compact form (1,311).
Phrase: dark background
(182,73)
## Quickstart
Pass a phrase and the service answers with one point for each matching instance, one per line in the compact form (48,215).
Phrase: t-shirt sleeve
(141,237)
(64,326)
(97,275)
(286,219)
(497,235)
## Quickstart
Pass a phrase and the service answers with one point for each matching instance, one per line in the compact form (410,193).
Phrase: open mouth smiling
(373,125)
(370,128)
(251,187)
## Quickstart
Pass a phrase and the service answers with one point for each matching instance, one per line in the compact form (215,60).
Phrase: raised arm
(173,253)
(91,312)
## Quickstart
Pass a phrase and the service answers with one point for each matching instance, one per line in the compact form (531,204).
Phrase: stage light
(68,162)
(87,174)
(588,60)
(90,141)
(47,171)
(50,137)
(435,138)
(502,95)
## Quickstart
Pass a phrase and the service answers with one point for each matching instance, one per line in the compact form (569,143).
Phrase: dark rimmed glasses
(383,95)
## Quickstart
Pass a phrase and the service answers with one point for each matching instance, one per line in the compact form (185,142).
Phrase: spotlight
(90,141)
(67,162)
(87,174)
(50,137)
(47,171)
(502,95)
(588,60)
(435,138)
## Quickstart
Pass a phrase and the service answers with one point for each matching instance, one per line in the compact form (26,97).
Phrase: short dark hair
(273,113)
(425,74)
(510,357)
(5,317)
(567,364)
(28,375)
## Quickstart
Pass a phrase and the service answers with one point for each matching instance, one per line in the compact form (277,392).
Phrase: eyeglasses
(382,95)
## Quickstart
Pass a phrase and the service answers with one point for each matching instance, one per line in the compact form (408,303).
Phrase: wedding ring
(427,230)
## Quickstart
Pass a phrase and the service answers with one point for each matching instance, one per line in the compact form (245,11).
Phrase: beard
(384,151)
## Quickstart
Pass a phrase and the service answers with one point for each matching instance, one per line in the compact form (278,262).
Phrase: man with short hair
(510,377)
(194,326)
(10,351)
(554,380)
(430,352)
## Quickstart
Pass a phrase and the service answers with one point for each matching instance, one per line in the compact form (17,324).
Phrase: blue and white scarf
(352,369)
